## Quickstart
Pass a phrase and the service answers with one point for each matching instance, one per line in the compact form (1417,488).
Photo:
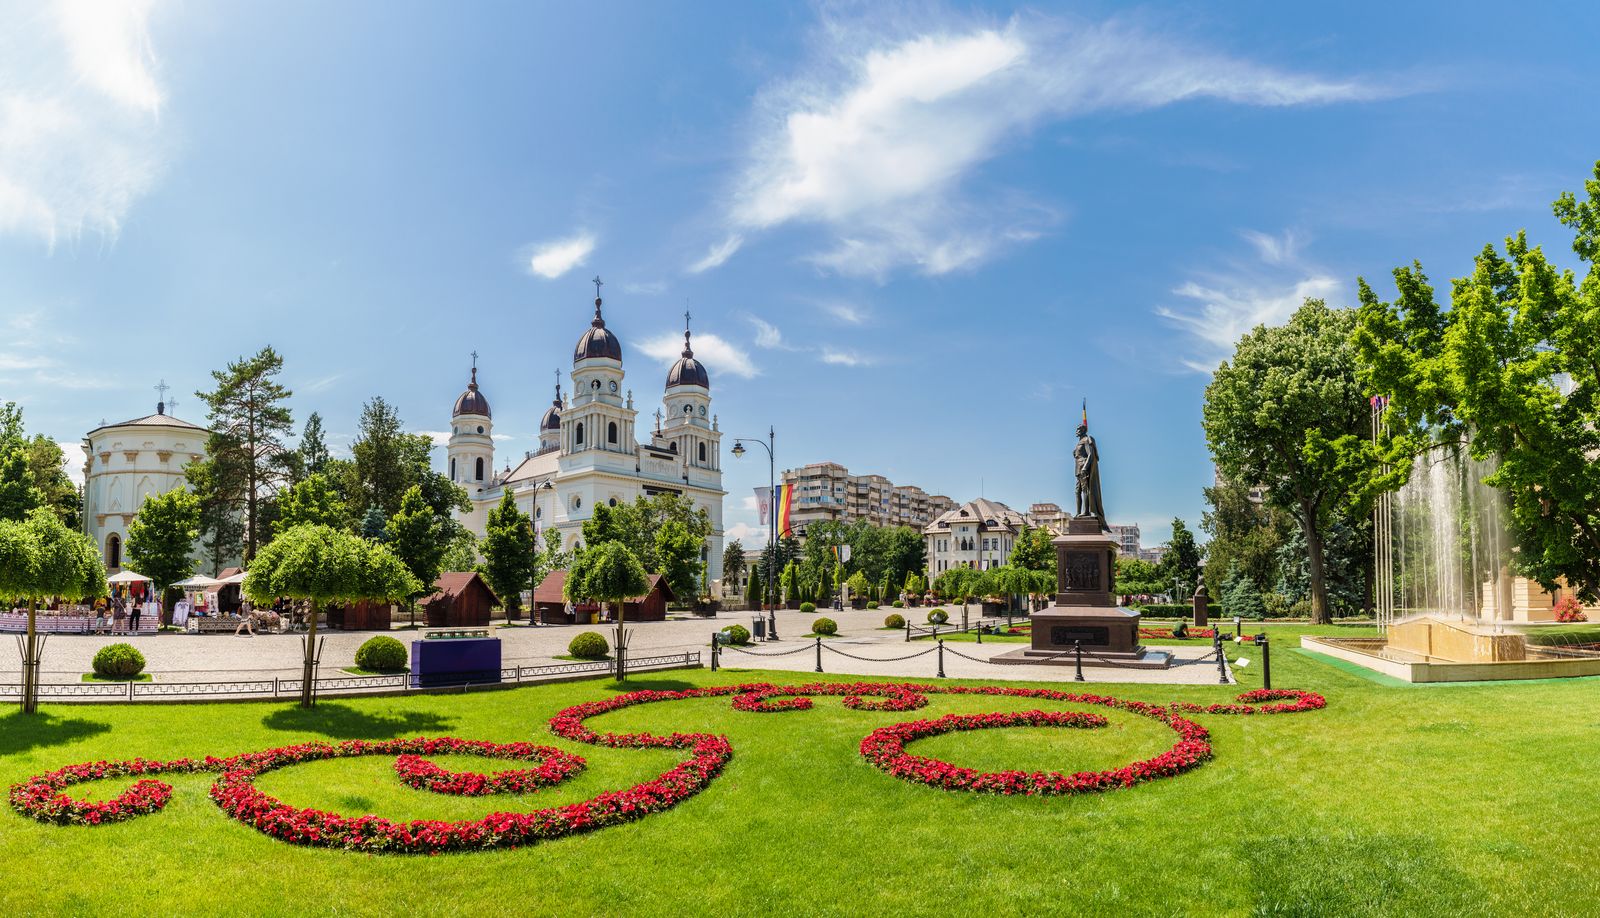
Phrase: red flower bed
(555,766)
(235,792)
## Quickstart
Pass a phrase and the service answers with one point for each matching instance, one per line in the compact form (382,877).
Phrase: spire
(599,322)
(687,350)
(557,402)
(161,405)
(473,383)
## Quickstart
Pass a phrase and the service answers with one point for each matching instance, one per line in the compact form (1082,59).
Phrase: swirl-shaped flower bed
(43,797)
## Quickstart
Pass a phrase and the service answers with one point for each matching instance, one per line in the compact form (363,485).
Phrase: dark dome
(552,418)
(472,401)
(688,371)
(597,341)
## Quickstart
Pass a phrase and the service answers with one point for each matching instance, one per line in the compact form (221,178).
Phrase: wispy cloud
(875,139)
(26,364)
(848,313)
(323,384)
(645,288)
(73,458)
(767,335)
(718,254)
(844,358)
(439,437)
(718,354)
(1225,304)
(558,256)
(747,534)
(79,127)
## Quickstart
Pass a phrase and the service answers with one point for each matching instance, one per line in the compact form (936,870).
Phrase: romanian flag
(1085,413)
(783,503)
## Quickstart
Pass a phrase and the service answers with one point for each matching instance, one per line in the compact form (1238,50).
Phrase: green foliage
(638,525)
(732,562)
(41,559)
(1510,369)
(382,654)
(314,456)
(789,579)
(807,608)
(677,556)
(607,572)
(858,585)
(1135,577)
(589,645)
(419,538)
(461,552)
(1169,609)
(894,620)
(1180,566)
(736,634)
(248,417)
(311,501)
(872,604)
(958,583)
(508,548)
(221,526)
(323,564)
(825,627)
(161,538)
(1241,598)
(17,492)
(938,616)
(1244,534)
(1288,413)
(118,661)
(1033,550)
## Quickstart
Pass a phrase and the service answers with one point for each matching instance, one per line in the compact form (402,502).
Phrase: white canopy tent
(127,577)
(199,583)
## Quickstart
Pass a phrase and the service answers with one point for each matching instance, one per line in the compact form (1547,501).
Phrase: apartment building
(827,491)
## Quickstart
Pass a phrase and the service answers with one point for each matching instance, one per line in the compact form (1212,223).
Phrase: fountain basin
(1379,656)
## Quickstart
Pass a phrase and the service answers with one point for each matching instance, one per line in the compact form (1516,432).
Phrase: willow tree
(42,559)
(321,564)
(608,573)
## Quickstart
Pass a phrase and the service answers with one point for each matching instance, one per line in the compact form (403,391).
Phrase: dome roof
(688,371)
(597,341)
(552,415)
(472,401)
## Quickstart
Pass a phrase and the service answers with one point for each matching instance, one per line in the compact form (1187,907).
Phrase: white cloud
(439,437)
(645,288)
(79,106)
(767,335)
(845,358)
(876,139)
(73,460)
(847,313)
(719,355)
(1225,305)
(748,535)
(558,256)
(718,254)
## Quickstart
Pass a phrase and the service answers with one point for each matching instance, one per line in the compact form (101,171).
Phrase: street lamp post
(772,513)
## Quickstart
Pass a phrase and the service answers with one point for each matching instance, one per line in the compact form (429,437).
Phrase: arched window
(453,469)
(578,434)
(480,468)
(538,513)
(702,452)
(611,432)
(674,446)
(114,551)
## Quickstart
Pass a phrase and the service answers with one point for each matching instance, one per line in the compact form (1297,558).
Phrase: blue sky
(912,236)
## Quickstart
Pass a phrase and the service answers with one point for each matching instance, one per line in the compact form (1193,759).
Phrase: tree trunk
(1315,558)
(622,649)
(308,676)
(30,666)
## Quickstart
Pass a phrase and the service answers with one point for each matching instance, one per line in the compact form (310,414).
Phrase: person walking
(134,608)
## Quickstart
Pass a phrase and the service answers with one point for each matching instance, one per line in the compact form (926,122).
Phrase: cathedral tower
(471,449)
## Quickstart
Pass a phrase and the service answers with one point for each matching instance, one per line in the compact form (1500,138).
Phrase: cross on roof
(474,360)
(161,403)
(598,283)
(686,320)
(658,419)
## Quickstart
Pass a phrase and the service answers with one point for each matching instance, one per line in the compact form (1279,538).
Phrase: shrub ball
(589,645)
(118,661)
(872,604)
(382,654)
(808,607)
(899,605)
(736,634)
(824,626)
(895,621)
(938,616)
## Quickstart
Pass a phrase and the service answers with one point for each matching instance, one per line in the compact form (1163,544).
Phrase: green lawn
(1430,800)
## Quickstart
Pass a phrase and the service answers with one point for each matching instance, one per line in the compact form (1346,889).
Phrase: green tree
(1135,578)
(677,552)
(508,548)
(1241,598)
(40,559)
(161,538)
(18,495)
(1245,533)
(1510,372)
(755,591)
(221,526)
(48,466)
(419,538)
(312,501)
(321,565)
(1034,550)
(249,419)
(461,552)
(1180,564)
(732,564)
(609,573)
(1288,413)
(314,455)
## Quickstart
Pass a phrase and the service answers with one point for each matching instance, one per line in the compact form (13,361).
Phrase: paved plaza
(195,657)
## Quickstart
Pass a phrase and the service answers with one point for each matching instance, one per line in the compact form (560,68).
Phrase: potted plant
(858,590)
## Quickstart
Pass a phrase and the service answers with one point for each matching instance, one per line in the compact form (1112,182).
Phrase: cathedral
(589,452)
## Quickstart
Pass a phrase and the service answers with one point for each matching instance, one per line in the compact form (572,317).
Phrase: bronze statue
(1086,459)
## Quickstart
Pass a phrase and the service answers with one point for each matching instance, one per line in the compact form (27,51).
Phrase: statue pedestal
(1085,613)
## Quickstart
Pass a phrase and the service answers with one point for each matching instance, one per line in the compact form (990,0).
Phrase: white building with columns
(589,452)
(128,462)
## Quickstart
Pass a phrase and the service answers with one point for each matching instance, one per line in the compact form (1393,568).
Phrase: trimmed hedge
(872,604)
(118,661)
(736,634)
(825,626)
(899,604)
(382,654)
(895,621)
(590,645)
(808,607)
(938,616)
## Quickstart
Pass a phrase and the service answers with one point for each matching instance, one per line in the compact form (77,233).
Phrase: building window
(453,469)
(674,446)
(612,502)
(578,434)
(114,551)
(702,452)
(480,468)
(611,432)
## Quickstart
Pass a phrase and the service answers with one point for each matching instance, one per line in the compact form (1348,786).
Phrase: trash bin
(758,627)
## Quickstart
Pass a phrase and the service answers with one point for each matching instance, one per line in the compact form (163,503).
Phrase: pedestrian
(133,615)
(246,623)
(99,619)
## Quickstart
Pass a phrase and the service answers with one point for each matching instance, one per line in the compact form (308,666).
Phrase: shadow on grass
(651,685)
(340,721)
(21,733)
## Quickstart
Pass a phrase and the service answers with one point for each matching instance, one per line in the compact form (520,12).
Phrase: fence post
(1222,661)
(274,686)
(130,689)
(1266,661)
(819,653)
(908,629)
(980,632)
(714,651)
(941,658)
(1077,655)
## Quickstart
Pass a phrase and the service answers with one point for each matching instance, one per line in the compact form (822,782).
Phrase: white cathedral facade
(589,453)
